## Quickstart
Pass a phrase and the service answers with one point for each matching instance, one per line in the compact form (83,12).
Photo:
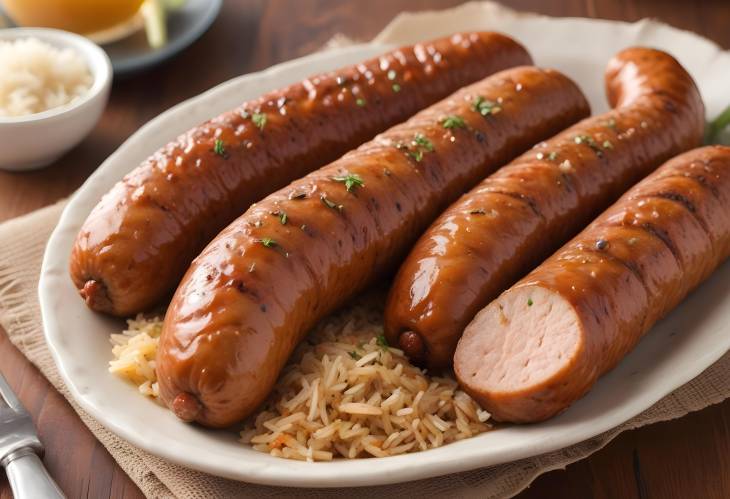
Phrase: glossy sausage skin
(141,237)
(543,343)
(294,257)
(517,217)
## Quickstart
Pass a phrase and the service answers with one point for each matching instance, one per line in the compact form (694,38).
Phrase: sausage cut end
(516,350)
(186,407)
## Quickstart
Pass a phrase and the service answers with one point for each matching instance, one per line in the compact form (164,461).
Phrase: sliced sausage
(139,240)
(517,217)
(294,257)
(543,343)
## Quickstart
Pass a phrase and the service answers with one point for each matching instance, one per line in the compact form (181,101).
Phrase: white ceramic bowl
(33,141)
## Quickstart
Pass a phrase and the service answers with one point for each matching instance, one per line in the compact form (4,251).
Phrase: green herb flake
(391,74)
(417,156)
(590,142)
(330,204)
(453,121)
(355,355)
(351,181)
(485,107)
(529,302)
(382,341)
(607,144)
(611,123)
(219,148)
(553,156)
(421,141)
(360,102)
(268,242)
(259,119)
(396,88)
(283,217)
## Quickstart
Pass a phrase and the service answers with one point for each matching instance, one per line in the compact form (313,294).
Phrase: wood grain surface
(689,457)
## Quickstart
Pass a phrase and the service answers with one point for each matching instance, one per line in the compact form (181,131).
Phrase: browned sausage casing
(517,217)
(544,342)
(139,240)
(292,258)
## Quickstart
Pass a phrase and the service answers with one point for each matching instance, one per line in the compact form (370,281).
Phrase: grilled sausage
(257,288)
(517,217)
(139,240)
(544,342)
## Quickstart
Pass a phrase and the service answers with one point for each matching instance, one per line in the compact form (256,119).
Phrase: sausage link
(544,342)
(517,217)
(292,258)
(141,237)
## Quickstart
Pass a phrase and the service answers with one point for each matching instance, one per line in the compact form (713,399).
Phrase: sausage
(517,217)
(544,342)
(294,257)
(139,240)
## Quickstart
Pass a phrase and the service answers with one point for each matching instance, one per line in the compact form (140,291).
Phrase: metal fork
(20,450)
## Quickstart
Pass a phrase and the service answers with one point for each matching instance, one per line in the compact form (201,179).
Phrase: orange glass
(80,16)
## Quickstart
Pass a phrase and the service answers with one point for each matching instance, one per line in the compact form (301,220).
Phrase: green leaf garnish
(453,121)
(420,140)
(355,355)
(219,147)
(259,119)
(382,341)
(529,302)
(351,181)
(268,242)
(360,102)
(330,204)
(713,132)
(485,107)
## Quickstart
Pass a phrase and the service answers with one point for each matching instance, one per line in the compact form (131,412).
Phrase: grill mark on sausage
(522,197)
(701,180)
(662,235)
(682,200)
(634,269)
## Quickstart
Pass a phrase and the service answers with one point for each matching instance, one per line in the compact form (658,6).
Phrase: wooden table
(689,457)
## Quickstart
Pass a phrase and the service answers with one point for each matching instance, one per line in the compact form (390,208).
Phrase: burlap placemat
(22,242)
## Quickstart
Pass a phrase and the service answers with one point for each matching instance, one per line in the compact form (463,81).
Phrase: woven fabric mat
(22,242)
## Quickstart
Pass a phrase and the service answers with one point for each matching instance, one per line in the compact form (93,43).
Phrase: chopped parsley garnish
(360,102)
(351,181)
(418,146)
(396,88)
(382,341)
(219,148)
(590,142)
(391,74)
(453,121)
(283,217)
(259,119)
(355,355)
(268,242)
(611,123)
(422,141)
(553,156)
(607,144)
(485,107)
(330,204)
(529,302)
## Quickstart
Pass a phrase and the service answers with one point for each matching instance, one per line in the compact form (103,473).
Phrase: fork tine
(9,396)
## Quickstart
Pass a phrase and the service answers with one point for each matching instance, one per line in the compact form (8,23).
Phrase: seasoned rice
(344,393)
